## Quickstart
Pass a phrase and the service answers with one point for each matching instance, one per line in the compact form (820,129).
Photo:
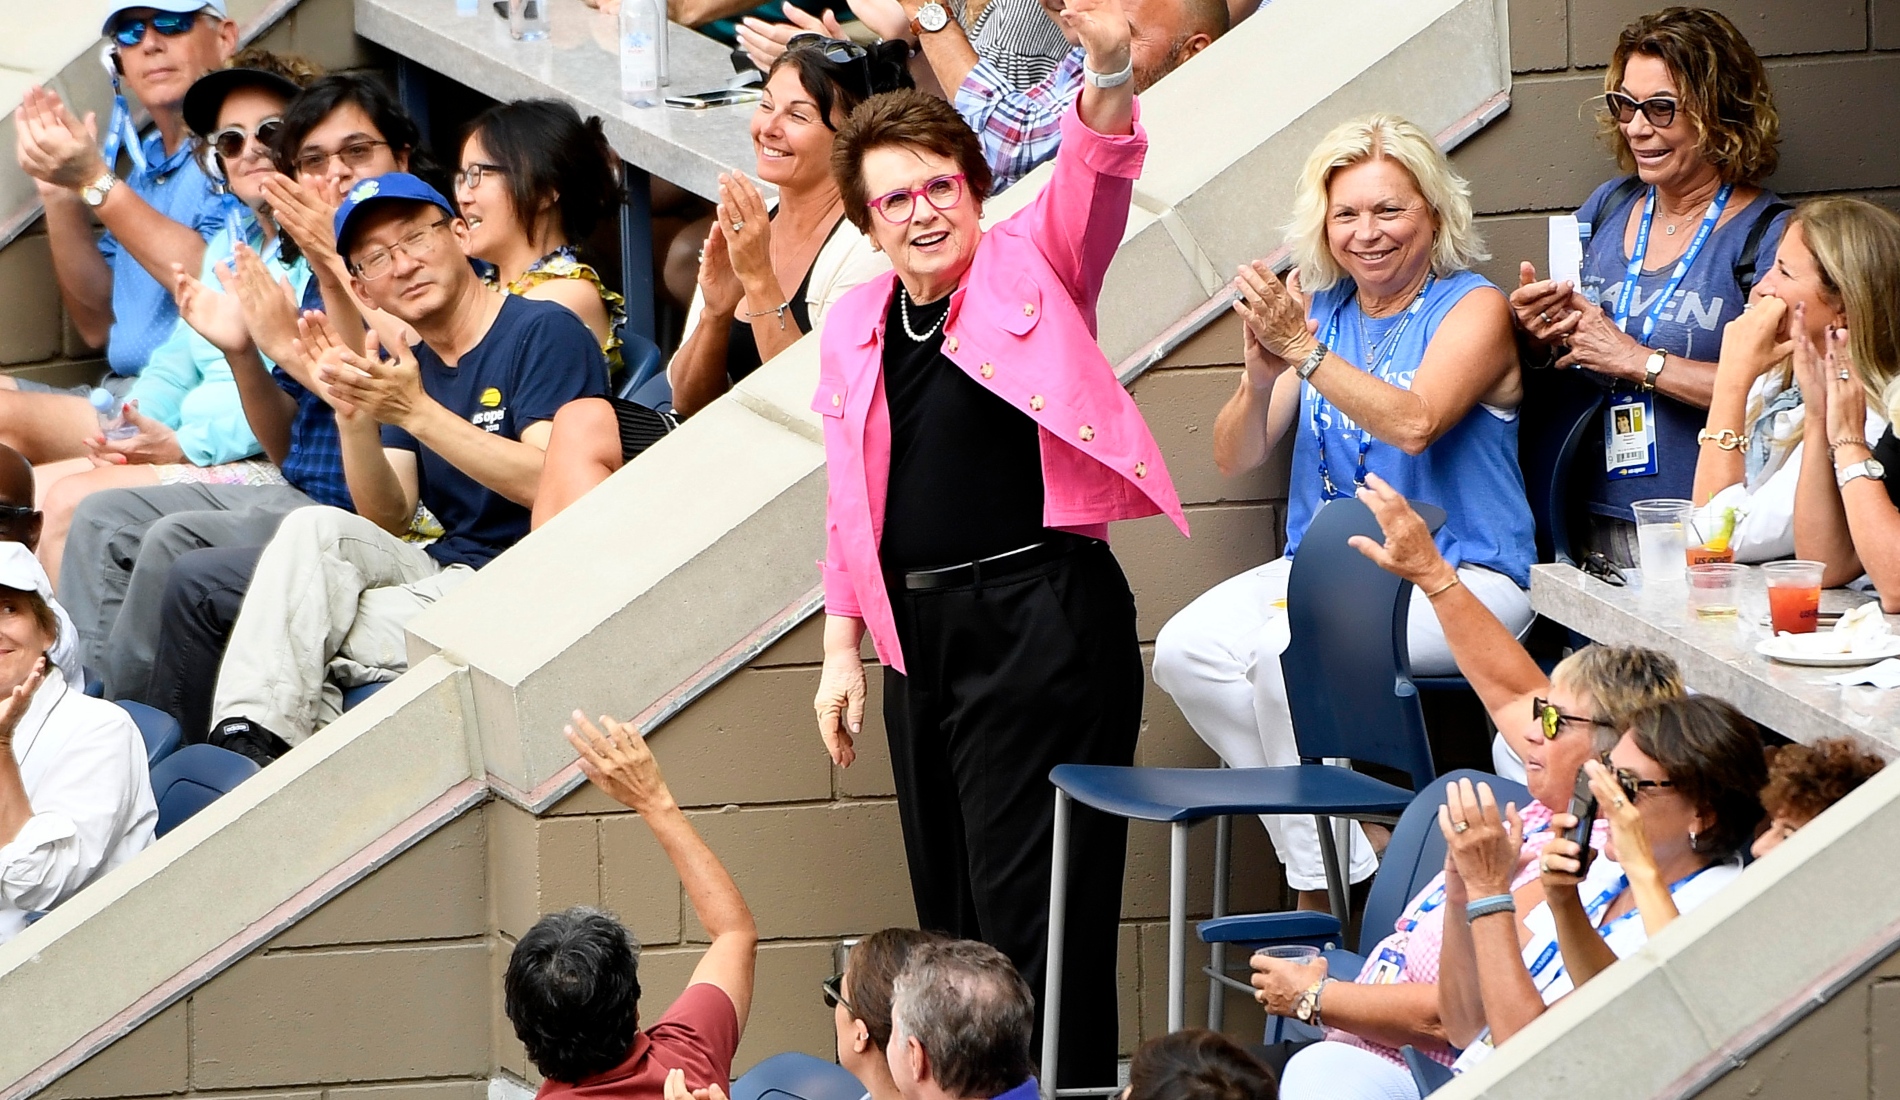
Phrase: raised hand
(53,145)
(765,42)
(616,758)
(13,707)
(1409,550)
(885,18)
(1102,27)
(217,317)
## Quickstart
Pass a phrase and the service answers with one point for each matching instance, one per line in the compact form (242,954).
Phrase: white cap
(21,571)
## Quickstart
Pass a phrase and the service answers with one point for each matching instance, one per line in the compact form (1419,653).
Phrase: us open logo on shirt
(489,417)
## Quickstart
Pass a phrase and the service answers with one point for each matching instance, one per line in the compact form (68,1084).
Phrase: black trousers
(1009,677)
(203,592)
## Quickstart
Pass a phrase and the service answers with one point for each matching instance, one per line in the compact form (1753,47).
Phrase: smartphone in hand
(1583,807)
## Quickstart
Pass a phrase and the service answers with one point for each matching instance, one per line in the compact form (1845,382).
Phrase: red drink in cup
(1794,595)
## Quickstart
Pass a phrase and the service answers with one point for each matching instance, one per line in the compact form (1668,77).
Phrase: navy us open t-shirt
(536,357)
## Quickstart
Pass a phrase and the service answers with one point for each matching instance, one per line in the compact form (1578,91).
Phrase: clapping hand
(54,146)
(269,305)
(1102,28)
(152,445)
(13,707)
(1484,843)
(743,220)
(718,284)
(388,389)
(216,316)
(1274,311)
(616,758)
(307,211)
(765,42)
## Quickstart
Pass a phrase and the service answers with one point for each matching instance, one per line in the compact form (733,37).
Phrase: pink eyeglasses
(898,207)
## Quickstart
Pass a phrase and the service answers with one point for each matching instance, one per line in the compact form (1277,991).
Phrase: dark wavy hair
(872,970)
(1804,780)
(1723,85)
(1197,1064)
(885,67)
(326,94)
(1713,754)
(571,992)
(906,117)
(553,159)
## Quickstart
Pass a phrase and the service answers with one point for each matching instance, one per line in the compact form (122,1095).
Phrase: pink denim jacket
(1022,324)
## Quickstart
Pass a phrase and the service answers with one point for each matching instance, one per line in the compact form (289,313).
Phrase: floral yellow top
(565,263)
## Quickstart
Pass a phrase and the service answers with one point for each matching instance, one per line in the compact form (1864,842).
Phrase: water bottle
(660,39)
(641,28)
(111,411)
(528,20)
(468,9)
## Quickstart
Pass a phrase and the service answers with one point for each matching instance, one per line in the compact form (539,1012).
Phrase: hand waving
(619,762)
(1102,26)
(13,707)
(217,317)
(1409,550)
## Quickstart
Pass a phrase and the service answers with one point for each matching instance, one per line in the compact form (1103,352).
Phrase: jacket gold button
(836,400)
(1035,403)
(986,370)
(1087,433)
(1141,469)
(950,344)
(1029,309)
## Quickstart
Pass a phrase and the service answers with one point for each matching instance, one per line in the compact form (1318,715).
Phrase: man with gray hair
(962,1023)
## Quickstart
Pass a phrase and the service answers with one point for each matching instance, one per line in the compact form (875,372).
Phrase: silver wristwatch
(1870,468)
(94,194)
(930,17)
(1305,367)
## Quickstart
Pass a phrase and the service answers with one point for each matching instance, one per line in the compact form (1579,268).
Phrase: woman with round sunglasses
(977,445)
(766,276)
(860,1003)
(534,182)
(1554,724)
(1670,253)
(185,406)
(1680,792)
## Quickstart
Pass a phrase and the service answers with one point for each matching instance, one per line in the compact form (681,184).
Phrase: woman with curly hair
(1803,780)
(1670,252)
(1197,1064)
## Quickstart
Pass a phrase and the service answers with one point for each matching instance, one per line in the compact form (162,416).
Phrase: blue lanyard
(1327,490)
(1635,270)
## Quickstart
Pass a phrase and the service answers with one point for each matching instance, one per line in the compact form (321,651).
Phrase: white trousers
(1341,1071)
(1220,659)
(327,605)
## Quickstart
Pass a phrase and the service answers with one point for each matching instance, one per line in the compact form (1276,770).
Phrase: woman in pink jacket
(978,444)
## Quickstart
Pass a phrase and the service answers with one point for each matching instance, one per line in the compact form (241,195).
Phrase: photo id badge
(1388,968)
(1629,436)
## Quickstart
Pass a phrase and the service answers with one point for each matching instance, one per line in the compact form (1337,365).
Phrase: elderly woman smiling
(75,799)
(978,444)
(1383,354)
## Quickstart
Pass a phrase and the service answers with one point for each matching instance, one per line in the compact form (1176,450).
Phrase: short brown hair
(1197,1064)
(1621,680)
(875,962)
(1713,754)
(906,117)
(1724,89)
(290,66)
(1803,780)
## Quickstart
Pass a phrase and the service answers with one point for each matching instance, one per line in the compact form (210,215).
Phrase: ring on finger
(1543,863)
(1844,376)
(1460,826)
(1543,316)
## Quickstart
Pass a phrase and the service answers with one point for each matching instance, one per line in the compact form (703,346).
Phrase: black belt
(997,565)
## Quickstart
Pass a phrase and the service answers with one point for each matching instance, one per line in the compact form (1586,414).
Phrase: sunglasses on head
(229,142)
(847,55)
(832,988)
(1659,110)
(171,24)
(1551,720)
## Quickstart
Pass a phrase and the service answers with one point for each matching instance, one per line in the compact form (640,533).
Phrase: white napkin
(1860,631)
(1886,674)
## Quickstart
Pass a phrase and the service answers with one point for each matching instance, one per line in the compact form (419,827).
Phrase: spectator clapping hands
(54,146)
(763,42)
(1484,843)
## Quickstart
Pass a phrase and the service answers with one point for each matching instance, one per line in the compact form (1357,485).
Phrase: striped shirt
(1019,39)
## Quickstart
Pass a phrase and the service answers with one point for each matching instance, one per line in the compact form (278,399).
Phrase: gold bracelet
(1833,444)
(1726,439)
(1446,587)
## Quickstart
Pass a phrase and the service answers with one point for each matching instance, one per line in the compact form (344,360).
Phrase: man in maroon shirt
(572,986)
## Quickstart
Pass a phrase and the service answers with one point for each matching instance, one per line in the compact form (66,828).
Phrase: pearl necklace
(903,315)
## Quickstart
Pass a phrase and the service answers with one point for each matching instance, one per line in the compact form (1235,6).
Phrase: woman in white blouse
(1822,275)
(75,796)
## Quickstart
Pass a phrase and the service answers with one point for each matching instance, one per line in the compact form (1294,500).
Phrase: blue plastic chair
(1351,697)
(161,731)
(194,777)
(95,687)
(1415,855)
(794,1076)
(642,359)
(354,696)
(1428,1075)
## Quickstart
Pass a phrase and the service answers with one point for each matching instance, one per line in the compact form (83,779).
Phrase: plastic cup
(1662,537)
(1794,595)
(1702,555)
(1715,590)
(528,19)
(1291,952)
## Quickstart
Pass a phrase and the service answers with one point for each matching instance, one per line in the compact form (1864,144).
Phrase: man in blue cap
(161,213)
(458,423)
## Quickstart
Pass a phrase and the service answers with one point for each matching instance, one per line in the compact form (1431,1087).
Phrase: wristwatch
(1109,80)
(1306,1006)
(1870,468)
(1653,366)
(94,193)
(1305,367)
(930,17)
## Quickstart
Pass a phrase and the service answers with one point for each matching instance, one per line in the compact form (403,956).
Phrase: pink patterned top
(1419,935)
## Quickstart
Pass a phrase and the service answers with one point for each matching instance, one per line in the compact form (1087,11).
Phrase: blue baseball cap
(367,194)
(215,7)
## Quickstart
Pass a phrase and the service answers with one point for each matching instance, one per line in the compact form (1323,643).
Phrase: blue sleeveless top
(1689,325)
(1471,471)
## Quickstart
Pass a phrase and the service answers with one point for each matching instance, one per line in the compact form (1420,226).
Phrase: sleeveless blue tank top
(1471,471)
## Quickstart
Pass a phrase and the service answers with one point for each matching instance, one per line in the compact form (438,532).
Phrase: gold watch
(1653,367)
(1306,1006)
(94,194)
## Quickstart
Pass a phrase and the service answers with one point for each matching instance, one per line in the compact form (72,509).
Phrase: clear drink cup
(1662,538)
(1715,590)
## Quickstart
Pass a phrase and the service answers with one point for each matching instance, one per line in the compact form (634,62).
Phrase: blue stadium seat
(95,687)
(161,731)
(354,696)
(642,359)
(1350,692)
(194,777)
(1428,1075)
(794,1076)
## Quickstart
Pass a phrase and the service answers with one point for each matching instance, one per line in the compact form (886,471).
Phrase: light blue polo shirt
(143,313)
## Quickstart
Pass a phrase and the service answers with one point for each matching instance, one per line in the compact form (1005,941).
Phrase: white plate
(1772,648)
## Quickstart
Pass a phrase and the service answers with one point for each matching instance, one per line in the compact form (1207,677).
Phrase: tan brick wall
(1848,1049)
